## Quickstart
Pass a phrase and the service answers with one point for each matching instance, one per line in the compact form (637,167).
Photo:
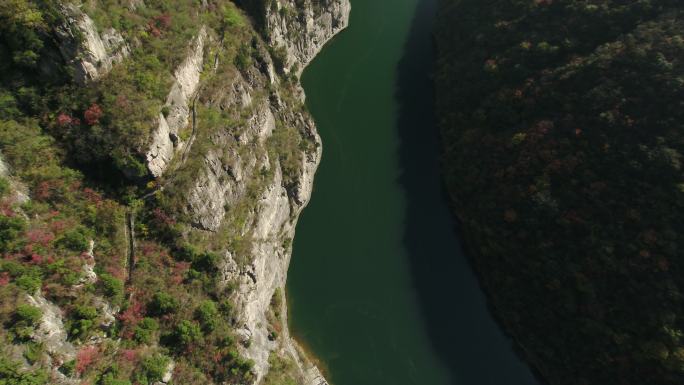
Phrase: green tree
(163,303)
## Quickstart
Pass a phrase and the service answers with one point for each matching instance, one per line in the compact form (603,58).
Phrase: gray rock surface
(53,335)
(303,27)
(165,140)
(90,54)
(19,189)
(272,224)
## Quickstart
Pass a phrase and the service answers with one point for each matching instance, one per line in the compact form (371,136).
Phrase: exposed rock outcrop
(301,28)
(228,172)
(165,139)
(19,190)
(232,163)
(53,335)
(90,53)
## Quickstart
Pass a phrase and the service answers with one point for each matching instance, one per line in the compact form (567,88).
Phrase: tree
(163,303)
(186,333)
(208,315)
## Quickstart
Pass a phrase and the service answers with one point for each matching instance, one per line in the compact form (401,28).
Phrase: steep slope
(562,127)
(155,163)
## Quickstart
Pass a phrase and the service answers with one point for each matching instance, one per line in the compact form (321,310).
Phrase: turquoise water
(379,289)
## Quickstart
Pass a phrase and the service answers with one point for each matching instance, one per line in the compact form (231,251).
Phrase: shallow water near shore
(378,287)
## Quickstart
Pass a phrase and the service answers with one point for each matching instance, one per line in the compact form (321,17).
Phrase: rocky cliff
(298,30)
(199,112)
(271,222)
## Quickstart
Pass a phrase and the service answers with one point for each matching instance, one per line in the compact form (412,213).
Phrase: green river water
(379,290)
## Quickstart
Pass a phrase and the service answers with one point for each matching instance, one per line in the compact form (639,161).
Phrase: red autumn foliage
(116,271)
(93,114)
(6,209)
(154,31)
(59,226)
(147,248)
(64,120)
(162,218)
(159,23)
(35,259)
(40,236)
(179,270)
(92,195)
(86,357)
(217,357)
(130,355)
(4,278)
(130,317)
(43,190)
(163,21)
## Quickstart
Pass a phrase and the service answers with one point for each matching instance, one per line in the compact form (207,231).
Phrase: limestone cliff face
(226,178)
(302,28)
(165,140)
(297,29)
(90,53)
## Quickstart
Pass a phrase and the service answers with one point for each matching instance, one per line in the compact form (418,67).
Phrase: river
(379,289)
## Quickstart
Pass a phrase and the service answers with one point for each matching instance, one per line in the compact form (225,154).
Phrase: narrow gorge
(490,192)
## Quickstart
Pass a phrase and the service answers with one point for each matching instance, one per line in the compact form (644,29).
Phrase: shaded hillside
(563,128)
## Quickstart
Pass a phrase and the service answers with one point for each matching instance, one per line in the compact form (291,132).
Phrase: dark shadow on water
(462,331)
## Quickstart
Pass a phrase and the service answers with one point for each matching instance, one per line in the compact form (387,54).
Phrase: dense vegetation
(65,205)
(563,134)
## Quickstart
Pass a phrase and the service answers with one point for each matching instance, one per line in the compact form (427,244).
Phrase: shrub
(187,333)
(25,318)
(85,357)
(11,374)
(206,262)
(83,320)
(232,17)
(110,379)
(68,368)
(145,330)
(243,59)
(208,315)
(10,228)
(33,352)
(4,187)
(76,239)
(28,314)
(112,287)
(226,308)
(30,283)
(163,303)
(152,369)
(93,114)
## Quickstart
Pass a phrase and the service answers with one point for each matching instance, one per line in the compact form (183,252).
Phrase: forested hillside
(140,143)
(563,129)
